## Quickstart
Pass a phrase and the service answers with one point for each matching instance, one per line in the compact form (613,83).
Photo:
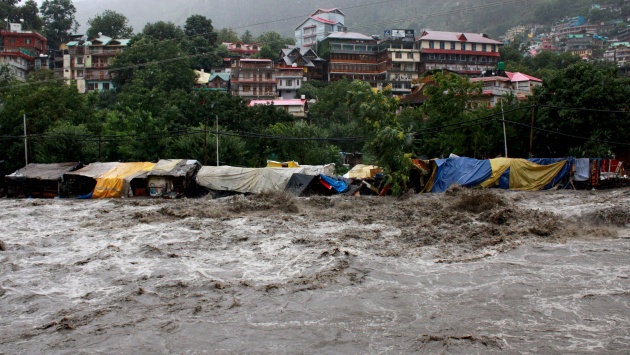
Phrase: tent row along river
(180,177)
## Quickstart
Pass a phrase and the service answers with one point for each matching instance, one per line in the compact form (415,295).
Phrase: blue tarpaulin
(466,172)
(337,184)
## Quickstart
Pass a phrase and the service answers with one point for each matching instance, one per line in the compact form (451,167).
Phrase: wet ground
(460,272)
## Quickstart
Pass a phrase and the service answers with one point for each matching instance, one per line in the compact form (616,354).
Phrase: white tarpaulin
(247,180)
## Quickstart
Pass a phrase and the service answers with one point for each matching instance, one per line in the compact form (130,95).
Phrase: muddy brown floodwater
(460,272)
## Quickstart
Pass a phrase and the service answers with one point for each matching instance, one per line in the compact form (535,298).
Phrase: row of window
(289,82)
(462,46)
(399,55)
(461,57)
(95,86)
(357,67)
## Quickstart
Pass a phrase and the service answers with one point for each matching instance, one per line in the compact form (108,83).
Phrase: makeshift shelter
(247,180)
(327,169)
(172,177)
(506,173)
(361,171)
(302,184)
(39,180)
(102,180)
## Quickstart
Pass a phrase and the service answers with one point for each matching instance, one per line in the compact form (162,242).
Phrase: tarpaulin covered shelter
(361,171)
(247,180)
(507,173)
(524,174)
(39,180)
(103,180)
(172,177)
(327,169)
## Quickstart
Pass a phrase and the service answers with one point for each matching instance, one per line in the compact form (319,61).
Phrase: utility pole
(531,133)
(504,133)
(25,142)
(205,141)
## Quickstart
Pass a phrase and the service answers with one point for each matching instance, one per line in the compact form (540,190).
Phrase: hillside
(367,16)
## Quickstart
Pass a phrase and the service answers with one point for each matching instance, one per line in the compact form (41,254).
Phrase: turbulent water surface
(462,272)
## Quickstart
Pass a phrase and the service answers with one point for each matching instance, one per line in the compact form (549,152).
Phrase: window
(396,66)
(474,46)
(431,56)
(79,73)
(442,56)
(463,46)
(79,60)
(462,57)
(431,44)
(494,47)
(484,47)
(289,82)
(28,41)
(452,45)
(409,55)
(398,55)
(441,44)
(452,57)
(268,75)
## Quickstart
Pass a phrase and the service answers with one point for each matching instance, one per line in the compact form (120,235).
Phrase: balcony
(253,81)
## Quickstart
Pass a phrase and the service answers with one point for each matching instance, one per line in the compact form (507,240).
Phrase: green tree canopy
(111,24)
(227,35)
(59,21)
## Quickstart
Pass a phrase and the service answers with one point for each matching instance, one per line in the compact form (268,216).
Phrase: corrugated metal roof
(455,37)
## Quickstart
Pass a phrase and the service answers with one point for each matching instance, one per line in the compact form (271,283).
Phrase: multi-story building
(580,45)
(87,62)
(290,79)
(318,26)
(403,58)
(354,55)
(505,83)
(23,51)
(253,79)
(464,53)
(619,53)
(304,58)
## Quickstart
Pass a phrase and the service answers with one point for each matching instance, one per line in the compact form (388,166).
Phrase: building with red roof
(318,26)
(23,51)
(464,53)
(506,83)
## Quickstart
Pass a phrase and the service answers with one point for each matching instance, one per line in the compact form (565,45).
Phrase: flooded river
(533,273)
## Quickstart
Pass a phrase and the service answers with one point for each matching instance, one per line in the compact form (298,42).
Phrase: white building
(318,26)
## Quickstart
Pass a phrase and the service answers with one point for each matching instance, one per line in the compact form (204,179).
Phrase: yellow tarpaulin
(277,164)
(499,166)
(115,183)
(361,171)
(524,175)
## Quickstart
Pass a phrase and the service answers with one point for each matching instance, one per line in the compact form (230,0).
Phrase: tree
(387,143)
(59,21)
(29,12)
(160,31)
(227,35)
(247,37)
(201,42)
(153,65)
(275,42)
(110,23)
(587,100)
